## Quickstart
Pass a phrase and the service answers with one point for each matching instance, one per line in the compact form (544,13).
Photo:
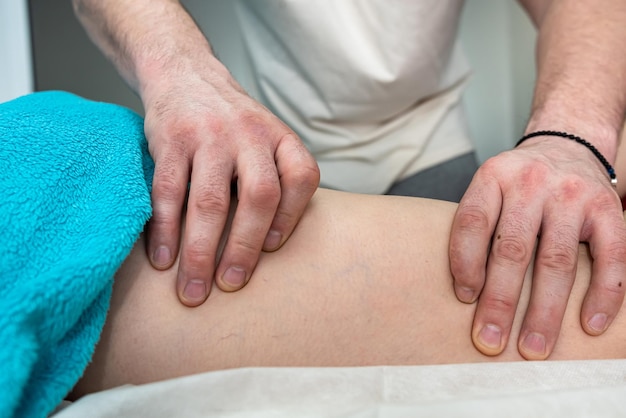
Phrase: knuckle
(216,126)
(168,126)
(265,192)
(510,249)
(615,288)
(496,165)
(463,268)
(472,218)
(283,219)
(561,259)
(458,267)
(182,130)
(606,202)
(303,173)
(529,175)
(613,251)
(253,123)
(210,202)
(243,246)
(305,177)
(490,167)
(616,252)
(160,221)
(545,318)
(165,187)
(571,189)
(498,303)
(181,136)
(197,257)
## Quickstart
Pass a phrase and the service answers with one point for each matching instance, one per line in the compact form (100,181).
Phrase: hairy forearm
(581,69)
(148,41)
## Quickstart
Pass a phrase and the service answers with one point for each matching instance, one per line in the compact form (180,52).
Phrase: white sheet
(517,389)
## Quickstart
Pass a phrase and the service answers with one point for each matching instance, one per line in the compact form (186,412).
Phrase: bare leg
(364,280)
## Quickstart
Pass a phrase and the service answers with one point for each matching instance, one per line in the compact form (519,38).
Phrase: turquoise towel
(74,197)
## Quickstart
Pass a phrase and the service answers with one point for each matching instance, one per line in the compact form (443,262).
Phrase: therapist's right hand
(206,134)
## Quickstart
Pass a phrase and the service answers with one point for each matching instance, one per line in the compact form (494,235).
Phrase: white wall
(16,75)
(499,40)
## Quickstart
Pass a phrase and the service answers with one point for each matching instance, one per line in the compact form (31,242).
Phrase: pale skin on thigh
(364,280)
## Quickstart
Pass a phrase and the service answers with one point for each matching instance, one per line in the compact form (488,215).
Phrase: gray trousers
(446,181)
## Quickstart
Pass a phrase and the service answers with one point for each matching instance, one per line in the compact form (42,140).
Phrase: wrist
(601,158)
(160,75)
(168,49)
(604,136)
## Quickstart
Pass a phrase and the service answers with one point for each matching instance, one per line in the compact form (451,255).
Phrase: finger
(299,178)
(511,251)
(553,277)
(605,295)
(472,229)
(258,196)
(169,190)
(207,212)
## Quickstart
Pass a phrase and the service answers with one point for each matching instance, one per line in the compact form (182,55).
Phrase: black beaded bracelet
(609,168)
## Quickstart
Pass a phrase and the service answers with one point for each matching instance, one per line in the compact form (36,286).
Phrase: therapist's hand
(554,190)
(204,134)
(204,131)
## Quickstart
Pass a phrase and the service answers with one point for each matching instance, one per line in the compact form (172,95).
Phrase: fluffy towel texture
(74,187)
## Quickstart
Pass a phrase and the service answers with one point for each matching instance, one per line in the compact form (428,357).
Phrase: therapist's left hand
(550,188)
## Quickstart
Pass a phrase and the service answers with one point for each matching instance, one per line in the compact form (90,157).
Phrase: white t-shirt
(373,87)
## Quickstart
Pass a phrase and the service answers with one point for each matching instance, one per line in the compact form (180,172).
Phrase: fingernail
(465,294)
(162,256)
(598,322)
(490,336)
(195,291)
(234,277)
(535,343)
(272,240)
